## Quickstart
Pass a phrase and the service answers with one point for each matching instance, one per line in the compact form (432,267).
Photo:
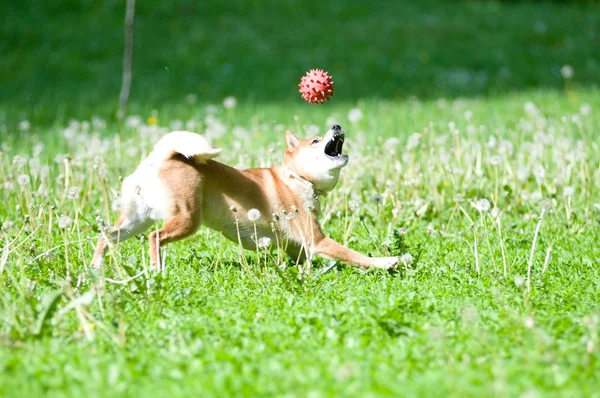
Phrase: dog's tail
(190,145)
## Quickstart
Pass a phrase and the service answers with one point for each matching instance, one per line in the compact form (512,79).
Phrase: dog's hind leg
(124,228)
(176,228)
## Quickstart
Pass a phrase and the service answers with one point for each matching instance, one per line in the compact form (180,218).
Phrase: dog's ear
(291,141)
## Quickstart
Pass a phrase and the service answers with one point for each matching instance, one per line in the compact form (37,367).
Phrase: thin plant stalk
(535,236)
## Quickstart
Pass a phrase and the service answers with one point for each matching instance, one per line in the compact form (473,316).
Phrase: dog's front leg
(329,248)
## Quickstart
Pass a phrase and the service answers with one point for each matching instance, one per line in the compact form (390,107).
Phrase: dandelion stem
(487,237)
(499,229)
(547,259)
(535,235)
(474,238)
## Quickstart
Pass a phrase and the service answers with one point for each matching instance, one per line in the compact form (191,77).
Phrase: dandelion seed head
(264,242)
(23,179)
(482,205)
(355,115)
(531,109)
(568,191)
(176,125)
(469,314)
(567,72)
(529,322)
(406,259)
(253,215)
(64,222)
(495,160)
(229,102)
(585,110)
(519,281)
(495,212)
(191,98)
(24,125)
(19,161)
(73,193)
(413,141)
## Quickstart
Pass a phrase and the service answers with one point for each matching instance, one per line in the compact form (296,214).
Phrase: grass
(451,322)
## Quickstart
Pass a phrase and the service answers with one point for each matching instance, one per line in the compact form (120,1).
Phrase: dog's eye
(315,142)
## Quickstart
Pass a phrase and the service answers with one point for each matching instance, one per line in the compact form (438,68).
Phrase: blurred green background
(63,58)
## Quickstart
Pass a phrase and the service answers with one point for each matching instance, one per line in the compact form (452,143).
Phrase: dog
(182,184)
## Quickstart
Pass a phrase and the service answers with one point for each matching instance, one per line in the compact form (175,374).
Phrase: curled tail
(190,145)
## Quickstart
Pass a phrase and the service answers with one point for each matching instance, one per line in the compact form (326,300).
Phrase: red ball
(316,86)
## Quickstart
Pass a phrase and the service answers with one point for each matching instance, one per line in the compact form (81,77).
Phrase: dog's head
(317,159)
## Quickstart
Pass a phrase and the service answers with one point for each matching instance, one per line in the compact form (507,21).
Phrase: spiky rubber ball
(316,86)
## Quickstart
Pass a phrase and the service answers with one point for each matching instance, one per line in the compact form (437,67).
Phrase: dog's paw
(385,262)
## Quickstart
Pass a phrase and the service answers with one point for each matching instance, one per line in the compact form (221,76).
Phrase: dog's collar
(294,175)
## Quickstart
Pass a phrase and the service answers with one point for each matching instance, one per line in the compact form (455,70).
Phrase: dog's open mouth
(334,146)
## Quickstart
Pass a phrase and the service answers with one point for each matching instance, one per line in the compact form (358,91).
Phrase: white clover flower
(406,259)
(253,215)
(24,125)
(264,242)
(482,205)
(23,179)
(64,222)
(585,110)
(229,102)
(567,72)
(355,115)
(569,191)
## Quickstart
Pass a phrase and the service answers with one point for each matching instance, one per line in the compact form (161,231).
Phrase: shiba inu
(182,184)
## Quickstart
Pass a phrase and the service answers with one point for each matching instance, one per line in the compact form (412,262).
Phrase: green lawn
(446,105)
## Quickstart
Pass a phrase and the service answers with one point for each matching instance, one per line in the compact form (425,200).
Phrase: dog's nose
(336,127)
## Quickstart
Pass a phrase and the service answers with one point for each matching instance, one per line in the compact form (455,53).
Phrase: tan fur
(204,193)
